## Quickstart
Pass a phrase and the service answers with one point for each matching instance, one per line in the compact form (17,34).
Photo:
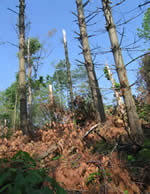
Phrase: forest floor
(98,163)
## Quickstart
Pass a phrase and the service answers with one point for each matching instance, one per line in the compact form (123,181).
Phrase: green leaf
(33,177)
(60,190)
(126,192)
(5,187)
(55,185)
(4,177)
(19,181)
(47,190)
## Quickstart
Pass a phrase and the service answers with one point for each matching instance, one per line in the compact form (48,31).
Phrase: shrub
(19,175)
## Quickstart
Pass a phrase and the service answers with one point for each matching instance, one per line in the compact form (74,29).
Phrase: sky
(47,15)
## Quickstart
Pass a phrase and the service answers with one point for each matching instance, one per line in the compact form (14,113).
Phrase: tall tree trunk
(22,72)
(68,70)
(133,119)
(96,95)
(29,84)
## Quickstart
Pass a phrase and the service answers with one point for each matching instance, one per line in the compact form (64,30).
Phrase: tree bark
(22,72)
(15,112)
(96,95)
(68,70)
(29,84)
(133,119)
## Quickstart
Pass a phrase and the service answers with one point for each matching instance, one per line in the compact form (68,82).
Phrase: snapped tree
(68,69)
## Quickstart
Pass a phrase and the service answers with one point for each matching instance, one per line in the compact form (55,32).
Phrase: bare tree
(133,119)
(93,82)
(22,71)
(68,69)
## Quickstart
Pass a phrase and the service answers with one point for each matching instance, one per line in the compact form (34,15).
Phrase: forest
(82,125)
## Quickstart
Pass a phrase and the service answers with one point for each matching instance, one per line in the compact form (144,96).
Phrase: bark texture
(133,119)
(68,70)
(97,98)
(22,72)
(29,84)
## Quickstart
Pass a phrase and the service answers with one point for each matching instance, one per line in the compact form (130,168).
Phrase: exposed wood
(68,69)
(92,129)
(51,97)
(120,103)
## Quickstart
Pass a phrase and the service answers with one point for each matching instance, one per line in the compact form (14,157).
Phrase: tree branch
(86,3)
(141,5)
(13,11)
(137,58)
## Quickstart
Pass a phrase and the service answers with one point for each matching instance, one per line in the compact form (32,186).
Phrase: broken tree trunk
(68,69)
(51,97)
(120,103)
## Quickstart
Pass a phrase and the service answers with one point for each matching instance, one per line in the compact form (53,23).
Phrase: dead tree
(22,71)
(117,94)
(93,82)
(51,97)
(133,119)
(68,70)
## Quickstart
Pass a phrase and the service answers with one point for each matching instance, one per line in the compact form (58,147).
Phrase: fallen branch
(91,129)
(47,152)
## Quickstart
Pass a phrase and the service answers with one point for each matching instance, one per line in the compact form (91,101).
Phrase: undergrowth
(20,175)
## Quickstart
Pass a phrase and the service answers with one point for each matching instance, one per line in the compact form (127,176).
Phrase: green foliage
(106,73)
(80,82)
(100,175)
(92,177)
(126,192)
(56,157)
(145,31)
(7,102)
(102,147)
(117,86)
(59,81)
(147,142)
(35,46)
(20,176)
(144,73)
(144,154)
(131,158)
(143,110)
(41,113)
